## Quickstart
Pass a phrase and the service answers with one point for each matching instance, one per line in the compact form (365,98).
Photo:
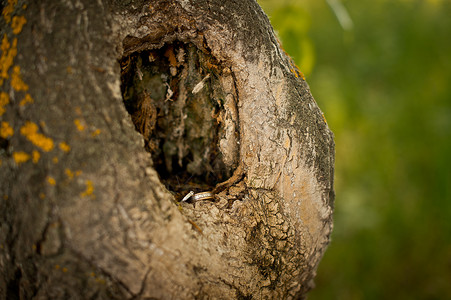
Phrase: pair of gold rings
(198,196)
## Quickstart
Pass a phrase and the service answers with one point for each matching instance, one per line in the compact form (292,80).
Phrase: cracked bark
(86,211)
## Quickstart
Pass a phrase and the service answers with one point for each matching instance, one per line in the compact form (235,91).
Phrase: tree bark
(111,111)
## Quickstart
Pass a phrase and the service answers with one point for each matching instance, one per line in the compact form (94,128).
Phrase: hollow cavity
(176,100)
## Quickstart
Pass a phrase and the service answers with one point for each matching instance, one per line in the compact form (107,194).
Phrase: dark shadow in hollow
(172,96)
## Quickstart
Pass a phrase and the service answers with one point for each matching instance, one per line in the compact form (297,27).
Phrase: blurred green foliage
(384,84)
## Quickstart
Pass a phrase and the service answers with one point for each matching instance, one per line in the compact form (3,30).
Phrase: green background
(383,80)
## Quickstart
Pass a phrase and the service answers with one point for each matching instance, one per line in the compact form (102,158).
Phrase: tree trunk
(112,111)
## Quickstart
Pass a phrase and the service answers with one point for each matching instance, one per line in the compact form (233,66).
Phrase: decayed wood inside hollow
(176,99)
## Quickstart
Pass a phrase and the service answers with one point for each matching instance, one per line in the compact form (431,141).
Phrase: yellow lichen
(295,70)
(78,173)
(302,75)
(78,124)
(27,99)
(6,130)
(18,23)
(89,189)
(100,280)
(51,180)
(8,9)
(7,59)
(42,196)
(4,100)
(55,160)
(299,73)
(5,45)
(16,80)
(69,173)
(64,146)
(30,131)
(64,270)
(35,155)
(21,157)
(324,118)
(95,132)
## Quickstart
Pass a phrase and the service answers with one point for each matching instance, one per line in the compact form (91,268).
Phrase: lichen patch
(26,100)
(4,100)
(51,180)
(6,130)
(8,10)
(30,131)
(89,191)
(21,157)
(9,51)
(35,156)
(17,23)
(64,147)
(79,125)
(16,80)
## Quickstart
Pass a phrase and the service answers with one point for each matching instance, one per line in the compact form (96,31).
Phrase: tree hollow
(176,99)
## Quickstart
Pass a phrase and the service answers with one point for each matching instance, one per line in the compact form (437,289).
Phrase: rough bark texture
(91,156)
